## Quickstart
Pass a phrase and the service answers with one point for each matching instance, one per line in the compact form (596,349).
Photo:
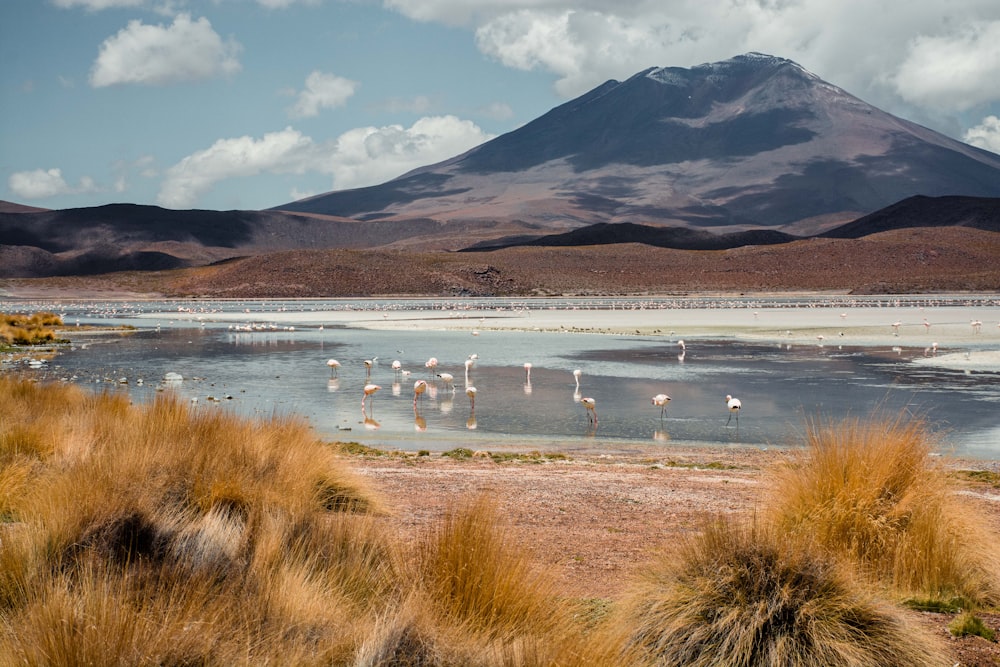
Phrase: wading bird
(419,387)
(471,423)
(369,390)
(591,406)
(527,371)
(334,366)
(661,400)
(448,380)
(734,405)
(576,376)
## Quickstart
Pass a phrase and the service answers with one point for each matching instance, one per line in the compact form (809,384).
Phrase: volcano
(751,143)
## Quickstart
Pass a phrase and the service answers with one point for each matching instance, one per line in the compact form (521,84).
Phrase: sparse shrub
(872,492)
(969,624)
(744,595)
(458,453)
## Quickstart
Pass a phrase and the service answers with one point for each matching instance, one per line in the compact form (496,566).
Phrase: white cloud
(867,48)
(42,183)
(359,157)
(322,91)
(954,71)
(156,55)
(985,135)
(369,155)
(279,152)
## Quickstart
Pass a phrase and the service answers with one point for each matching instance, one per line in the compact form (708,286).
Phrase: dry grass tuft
(743,595)
(28,329)
(871,491)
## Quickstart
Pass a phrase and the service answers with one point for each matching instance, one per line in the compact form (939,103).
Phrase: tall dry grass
(167,534)
(191,537)
(740,594)
(16,329)
(871,491)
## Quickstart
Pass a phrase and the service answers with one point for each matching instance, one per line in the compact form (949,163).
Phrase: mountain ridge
(754,141)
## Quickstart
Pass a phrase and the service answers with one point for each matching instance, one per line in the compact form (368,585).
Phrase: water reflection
(273,369)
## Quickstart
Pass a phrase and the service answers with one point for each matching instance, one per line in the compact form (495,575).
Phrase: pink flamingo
(661,400)
(734,405)
(591,406)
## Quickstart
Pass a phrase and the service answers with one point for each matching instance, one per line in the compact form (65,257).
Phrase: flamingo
(734,405)
(397,366)
(334,367)
(468,365)
(895,328)
(369,390)
(977,326)
(448,379)
(368,368)
(471,423)
(591,406)
(576,376)
(661,400)
(419,387)
(431,364)
(527,372)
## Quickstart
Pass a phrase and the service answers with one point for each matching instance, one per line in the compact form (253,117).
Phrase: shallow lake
(278,368)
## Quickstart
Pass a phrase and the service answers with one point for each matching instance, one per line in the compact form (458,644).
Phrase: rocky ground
(595,519)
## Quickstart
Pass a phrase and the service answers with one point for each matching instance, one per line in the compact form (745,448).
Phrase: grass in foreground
(161,534)
(164,534)
(872,492)
(740,594)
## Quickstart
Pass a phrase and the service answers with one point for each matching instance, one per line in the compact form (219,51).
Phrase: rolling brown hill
(951,259)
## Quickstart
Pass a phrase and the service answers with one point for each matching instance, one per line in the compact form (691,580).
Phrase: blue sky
(227,104)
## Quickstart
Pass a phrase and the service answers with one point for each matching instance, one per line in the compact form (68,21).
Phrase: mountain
(921,211)
(751,151)
(754,142)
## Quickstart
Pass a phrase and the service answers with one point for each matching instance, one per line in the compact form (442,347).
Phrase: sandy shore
(945,333)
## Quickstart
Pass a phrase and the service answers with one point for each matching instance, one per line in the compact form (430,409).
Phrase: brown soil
(594,520)
(903,261)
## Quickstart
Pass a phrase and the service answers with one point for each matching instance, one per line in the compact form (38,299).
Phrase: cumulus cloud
(369,155)
(867,48)
(322,91)
(985,135)
(155,55)
(278,152)
(42,183)
(358,157)
(954,71)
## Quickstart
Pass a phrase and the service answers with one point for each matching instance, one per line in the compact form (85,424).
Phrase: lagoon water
(279,366)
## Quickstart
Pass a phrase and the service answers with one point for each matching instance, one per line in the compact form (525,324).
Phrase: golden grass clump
(742,595)
(872,492)
(190,537)
(164,534)
(32,329)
